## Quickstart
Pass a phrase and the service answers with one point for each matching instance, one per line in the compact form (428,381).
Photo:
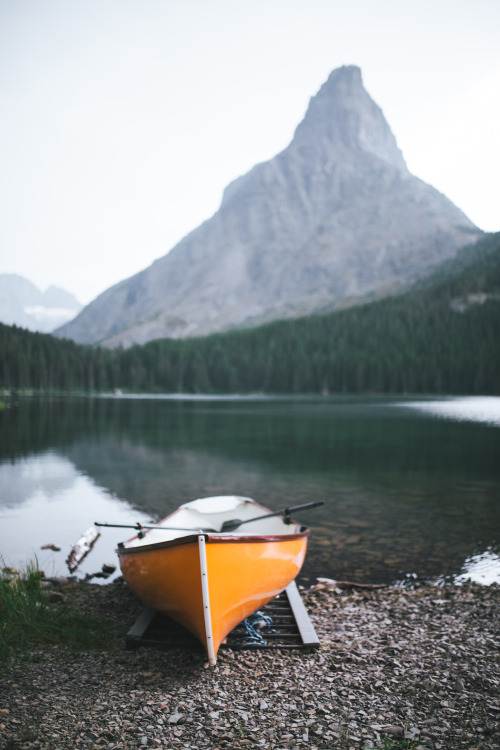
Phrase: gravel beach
(396,668)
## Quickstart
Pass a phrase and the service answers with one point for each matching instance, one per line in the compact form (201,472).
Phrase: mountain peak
(342,117)
(333,220)
(23,304)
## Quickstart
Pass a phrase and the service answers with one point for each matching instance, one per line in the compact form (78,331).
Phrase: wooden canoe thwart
(209,579)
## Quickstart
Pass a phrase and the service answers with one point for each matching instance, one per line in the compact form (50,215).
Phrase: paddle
(235,523)
(140,526)
(226,526)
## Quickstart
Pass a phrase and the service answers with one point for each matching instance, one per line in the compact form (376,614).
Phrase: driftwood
(331,584)
(82,548)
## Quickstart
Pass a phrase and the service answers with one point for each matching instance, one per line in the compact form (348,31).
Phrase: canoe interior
(209,514)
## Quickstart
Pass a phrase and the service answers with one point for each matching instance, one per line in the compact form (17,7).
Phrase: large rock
(334,219)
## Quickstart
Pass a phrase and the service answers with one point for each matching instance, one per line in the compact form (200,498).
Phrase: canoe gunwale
(214,539)
(255,538)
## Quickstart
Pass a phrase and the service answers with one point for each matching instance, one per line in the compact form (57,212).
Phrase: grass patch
(28,618)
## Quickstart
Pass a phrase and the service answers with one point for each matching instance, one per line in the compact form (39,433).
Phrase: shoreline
(396,668)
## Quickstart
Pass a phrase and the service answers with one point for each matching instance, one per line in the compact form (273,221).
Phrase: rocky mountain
(24,305)
(333,220)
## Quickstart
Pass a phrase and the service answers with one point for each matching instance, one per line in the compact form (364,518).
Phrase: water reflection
(484,409)
(47,501)
(481,568)
(49,475)
(405,492)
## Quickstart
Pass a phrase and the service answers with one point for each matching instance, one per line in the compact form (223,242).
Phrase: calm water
(410,488)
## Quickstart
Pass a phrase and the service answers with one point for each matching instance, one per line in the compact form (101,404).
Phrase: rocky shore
(396,668)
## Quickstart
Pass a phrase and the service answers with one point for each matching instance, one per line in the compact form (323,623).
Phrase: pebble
(393,667)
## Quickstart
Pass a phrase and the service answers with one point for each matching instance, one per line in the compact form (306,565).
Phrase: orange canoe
(209,565)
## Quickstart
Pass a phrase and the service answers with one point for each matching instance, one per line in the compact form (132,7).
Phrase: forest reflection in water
(406,492)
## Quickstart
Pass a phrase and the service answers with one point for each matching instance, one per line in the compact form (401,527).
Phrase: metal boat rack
(291,626)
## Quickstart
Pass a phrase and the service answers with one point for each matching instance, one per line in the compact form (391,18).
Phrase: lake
(411,487)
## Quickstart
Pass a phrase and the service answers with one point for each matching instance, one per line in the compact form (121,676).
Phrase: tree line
(419,342)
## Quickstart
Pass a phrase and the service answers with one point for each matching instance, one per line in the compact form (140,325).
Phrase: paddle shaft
(229,525)
(140,526)
(226,526)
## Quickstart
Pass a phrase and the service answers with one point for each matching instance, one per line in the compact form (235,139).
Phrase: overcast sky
(122,121)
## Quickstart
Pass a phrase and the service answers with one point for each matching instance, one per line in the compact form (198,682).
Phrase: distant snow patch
(50,318)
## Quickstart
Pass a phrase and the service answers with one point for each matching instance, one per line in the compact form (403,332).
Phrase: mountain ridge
(441,336)
(23,304)
(333,219)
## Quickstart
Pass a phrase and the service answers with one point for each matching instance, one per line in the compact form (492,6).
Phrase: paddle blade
(231,525)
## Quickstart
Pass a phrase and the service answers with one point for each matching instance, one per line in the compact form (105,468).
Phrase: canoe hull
(242,573)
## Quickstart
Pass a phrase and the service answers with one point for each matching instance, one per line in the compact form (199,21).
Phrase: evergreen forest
(441,337)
